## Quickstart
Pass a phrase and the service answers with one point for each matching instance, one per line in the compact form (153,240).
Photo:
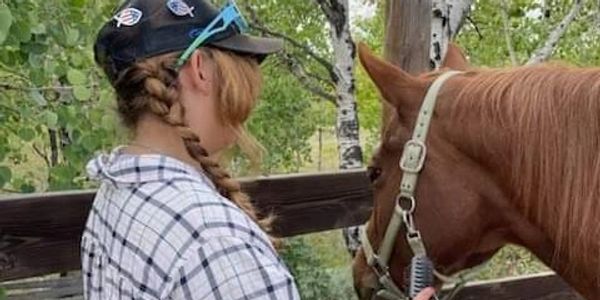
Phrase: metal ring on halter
(411,229)
(410,200)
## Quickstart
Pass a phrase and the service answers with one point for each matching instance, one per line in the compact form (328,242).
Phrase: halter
(411,163)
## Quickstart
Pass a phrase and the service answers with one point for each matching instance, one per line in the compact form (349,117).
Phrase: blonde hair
(150,86)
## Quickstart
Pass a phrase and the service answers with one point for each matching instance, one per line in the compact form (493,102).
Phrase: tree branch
(6,190)
(53,147)
(39,152)
(256,24)
(507,35)
(472,21)
(313,75)
(58,88)
(300,73)
(544,52)
(459,10)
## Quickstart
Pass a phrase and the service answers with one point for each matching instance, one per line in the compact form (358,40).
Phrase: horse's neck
(553,185)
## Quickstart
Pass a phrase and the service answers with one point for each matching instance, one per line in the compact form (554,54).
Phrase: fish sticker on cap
(128,17)
(180,8)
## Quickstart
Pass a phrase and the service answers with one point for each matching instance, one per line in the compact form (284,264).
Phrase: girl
(168,222)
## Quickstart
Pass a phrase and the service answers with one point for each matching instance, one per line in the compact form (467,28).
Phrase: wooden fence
(39,233)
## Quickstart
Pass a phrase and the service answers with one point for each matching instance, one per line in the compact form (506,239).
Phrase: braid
(160,96)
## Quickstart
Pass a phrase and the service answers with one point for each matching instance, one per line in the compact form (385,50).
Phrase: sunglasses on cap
(230,15)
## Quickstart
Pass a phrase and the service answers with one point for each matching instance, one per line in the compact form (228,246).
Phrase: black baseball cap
(145,28)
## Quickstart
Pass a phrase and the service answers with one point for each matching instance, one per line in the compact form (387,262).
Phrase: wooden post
(407,37)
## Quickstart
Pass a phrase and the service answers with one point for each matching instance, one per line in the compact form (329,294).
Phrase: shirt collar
(122,168)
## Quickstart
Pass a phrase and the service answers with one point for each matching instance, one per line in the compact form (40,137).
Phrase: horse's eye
(373,173)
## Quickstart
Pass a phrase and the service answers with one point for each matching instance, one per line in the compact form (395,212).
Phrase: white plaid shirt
(158,229)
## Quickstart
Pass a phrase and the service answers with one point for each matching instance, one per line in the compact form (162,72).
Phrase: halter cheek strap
(411,163)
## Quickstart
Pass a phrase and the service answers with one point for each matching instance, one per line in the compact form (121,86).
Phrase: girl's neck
(153,136)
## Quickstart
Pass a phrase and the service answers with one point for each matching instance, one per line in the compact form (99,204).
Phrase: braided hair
(150,86)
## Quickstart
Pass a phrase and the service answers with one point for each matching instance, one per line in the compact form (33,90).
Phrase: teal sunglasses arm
(229,15)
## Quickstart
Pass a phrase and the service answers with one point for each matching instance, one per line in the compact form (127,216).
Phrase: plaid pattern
(158,229)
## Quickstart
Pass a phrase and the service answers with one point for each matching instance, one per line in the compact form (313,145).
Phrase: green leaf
(109,122)
(51,119)
(72,36)
(22,31)
(26,134)
(77,59)
(107,99)
(6,19)
(38,77)
(76,77)
(38,98)
(82,93)
(3,152)
(27,188)
(40,28)
(89,143)
(5,175)
(77,3)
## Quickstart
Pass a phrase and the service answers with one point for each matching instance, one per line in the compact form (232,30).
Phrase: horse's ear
(396,86)
(456,58)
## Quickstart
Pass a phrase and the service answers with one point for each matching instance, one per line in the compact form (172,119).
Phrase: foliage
(303,23)
(530,22)
(54,108)
(511,261)
(314,279)
(283,122)
(2,294)
(57,109)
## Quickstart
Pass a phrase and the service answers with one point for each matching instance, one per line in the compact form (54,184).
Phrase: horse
(512,158)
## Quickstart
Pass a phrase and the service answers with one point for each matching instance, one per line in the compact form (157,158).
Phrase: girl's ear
(196,72)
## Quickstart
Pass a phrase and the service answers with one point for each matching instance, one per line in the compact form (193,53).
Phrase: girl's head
(212,95)
(186,65)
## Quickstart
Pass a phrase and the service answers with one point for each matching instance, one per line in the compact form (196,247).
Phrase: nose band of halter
(411,164)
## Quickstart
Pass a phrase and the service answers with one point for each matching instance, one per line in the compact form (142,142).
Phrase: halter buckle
(413,157)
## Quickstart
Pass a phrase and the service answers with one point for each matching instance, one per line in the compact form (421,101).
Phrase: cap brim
(250,45)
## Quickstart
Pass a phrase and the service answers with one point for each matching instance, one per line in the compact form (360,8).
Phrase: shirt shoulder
(194,216)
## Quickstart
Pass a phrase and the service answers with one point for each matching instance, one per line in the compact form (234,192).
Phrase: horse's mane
(549,117)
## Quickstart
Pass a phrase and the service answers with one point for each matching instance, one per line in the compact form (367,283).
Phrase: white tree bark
(544,52)
(446,21)
(347,126)
(344,52)
(507,32)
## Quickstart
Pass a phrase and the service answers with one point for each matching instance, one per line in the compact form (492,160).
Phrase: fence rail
(39,233)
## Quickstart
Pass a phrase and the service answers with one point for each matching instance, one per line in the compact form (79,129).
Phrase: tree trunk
(446,20)
(545,51)
(407,38)
(344,52)
(507,32)
(347,126)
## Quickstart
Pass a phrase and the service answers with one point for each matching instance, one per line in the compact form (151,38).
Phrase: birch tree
(344,52)
(546,50)
(447,18)
(347,126)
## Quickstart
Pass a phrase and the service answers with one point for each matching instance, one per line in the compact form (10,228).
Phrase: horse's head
(459,204)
